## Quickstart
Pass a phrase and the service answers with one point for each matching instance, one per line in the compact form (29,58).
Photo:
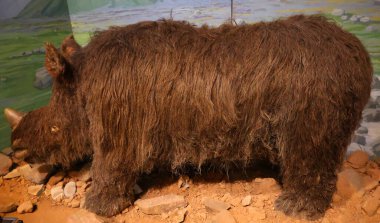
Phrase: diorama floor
(249,195)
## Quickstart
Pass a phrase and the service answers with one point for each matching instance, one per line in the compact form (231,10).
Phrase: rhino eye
(54,129)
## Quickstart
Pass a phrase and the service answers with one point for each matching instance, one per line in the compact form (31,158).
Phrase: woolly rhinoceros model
(167,93)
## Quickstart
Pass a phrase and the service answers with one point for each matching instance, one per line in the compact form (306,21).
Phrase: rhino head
(56,133)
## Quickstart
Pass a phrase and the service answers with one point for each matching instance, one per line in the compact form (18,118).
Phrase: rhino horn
(13,116)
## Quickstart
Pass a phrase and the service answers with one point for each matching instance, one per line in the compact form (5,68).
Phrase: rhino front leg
(112,187)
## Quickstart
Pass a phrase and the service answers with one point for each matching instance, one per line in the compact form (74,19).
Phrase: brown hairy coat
(156,93)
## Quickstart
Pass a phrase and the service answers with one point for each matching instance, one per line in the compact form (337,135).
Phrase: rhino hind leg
(306,200)
(111,190)
(309,163)
(309,175)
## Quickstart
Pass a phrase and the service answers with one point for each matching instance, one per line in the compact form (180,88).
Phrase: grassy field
(17,72)
(371,40)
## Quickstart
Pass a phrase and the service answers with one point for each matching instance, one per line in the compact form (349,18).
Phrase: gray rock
(367,116)
(371,115)
(37,174)
(5,164)
(375,82)
(26,207)
(365,19)
(338,12)
(362,130)
(375,146)
(70,189)
(215,205)
(162,204)
(344,17)
(376,116)
(354,147)
(359,139)
(354,18)
(13,174)
(372,103)
(36,190)
(42,79)
(56,193)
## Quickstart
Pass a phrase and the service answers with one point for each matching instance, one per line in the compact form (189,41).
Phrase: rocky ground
(367,136)
(32,193)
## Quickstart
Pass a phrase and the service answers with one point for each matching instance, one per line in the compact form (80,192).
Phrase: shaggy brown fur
(156,93)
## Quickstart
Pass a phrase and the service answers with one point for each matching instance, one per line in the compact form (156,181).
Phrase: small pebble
(56,193)
(35,190)
(26,207)
(70,189)
(75,204)
(246,200)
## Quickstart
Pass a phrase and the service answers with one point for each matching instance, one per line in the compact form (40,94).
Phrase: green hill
(45,8)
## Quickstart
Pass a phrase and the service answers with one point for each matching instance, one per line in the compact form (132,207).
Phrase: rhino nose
(13,117)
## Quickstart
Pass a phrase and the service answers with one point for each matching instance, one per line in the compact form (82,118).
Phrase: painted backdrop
(26,24)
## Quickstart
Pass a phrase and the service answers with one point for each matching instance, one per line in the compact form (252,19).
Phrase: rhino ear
(55,63)
(69,47)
